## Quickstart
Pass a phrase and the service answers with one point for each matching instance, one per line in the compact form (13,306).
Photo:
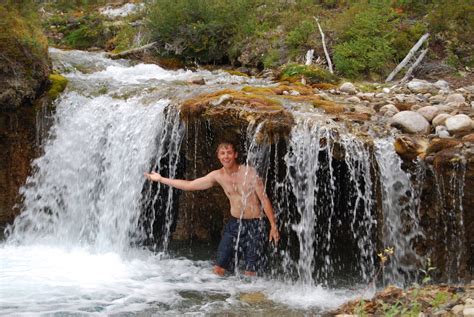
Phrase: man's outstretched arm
(268,209)
(201,183)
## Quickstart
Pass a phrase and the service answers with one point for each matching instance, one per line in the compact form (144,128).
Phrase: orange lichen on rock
(324,86)
(231,108)
(329,106)
(440,144)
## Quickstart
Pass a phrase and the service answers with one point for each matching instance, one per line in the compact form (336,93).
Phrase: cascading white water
(87,185)
(400,214)
(311,180)
(72,250)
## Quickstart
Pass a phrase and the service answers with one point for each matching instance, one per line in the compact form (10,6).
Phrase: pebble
(442,132)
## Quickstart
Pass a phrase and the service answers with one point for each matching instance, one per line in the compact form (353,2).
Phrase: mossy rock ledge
(24,62)
(228,110)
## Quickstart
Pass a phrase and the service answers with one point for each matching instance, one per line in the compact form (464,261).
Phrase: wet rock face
(24,62)
(18,144)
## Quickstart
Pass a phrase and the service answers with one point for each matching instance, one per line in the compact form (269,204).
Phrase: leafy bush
(312,74)
(201,30)
(365,45)
(91,32)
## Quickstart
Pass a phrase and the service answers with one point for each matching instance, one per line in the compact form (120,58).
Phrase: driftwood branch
(132,51)
(408,57)
(328,58)
(415,64)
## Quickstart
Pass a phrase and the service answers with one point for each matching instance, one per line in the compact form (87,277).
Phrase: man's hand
(274,235)
(153,176)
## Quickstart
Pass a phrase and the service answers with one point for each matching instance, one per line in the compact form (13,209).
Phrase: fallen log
(407,58)
(132,51)
(415,64)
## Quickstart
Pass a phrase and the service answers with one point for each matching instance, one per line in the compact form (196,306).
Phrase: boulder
(437,99)
(459,123)
(353,99)
(421,86)
(429,112)
(389,108)
(455,99)
(409,147)
(440,119)
(348,87)
(442,84)
(411,122)
(444,107)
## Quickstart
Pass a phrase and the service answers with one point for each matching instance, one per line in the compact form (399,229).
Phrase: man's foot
(219,270)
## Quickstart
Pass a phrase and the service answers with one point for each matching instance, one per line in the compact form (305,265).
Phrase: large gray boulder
(421,86)
(459,123)
(411,122)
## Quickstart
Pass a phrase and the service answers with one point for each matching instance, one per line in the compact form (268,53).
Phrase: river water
(75,248)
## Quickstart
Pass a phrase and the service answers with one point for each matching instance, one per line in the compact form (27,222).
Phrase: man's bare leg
(219,270)
(250,273)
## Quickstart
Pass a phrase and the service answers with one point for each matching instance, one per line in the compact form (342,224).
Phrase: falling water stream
(75,248)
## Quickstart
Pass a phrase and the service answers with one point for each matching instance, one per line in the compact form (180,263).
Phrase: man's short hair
(226,143)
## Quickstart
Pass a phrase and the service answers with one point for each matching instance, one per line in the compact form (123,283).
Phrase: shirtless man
(246,194)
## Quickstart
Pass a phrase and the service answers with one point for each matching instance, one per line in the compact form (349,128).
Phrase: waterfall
(400,214)
(328,201)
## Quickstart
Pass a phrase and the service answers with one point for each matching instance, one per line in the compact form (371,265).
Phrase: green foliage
(201,30)
(91,32)
(300,34)
(312,74)
(366,43)
(451,23)
(272,59)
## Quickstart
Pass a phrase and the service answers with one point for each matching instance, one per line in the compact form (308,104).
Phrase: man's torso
(239,187)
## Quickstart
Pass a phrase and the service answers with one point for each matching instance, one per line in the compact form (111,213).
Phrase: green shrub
(201,30)
(312,74)
(91,32)
(365,44)
(300,34)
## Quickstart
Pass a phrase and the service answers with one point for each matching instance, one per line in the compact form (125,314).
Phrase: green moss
(235,73)
(312,74)
(58,84)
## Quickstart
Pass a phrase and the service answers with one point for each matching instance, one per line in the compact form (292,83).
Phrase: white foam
(45,279)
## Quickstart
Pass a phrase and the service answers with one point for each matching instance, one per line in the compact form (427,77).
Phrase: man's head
(227,154)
